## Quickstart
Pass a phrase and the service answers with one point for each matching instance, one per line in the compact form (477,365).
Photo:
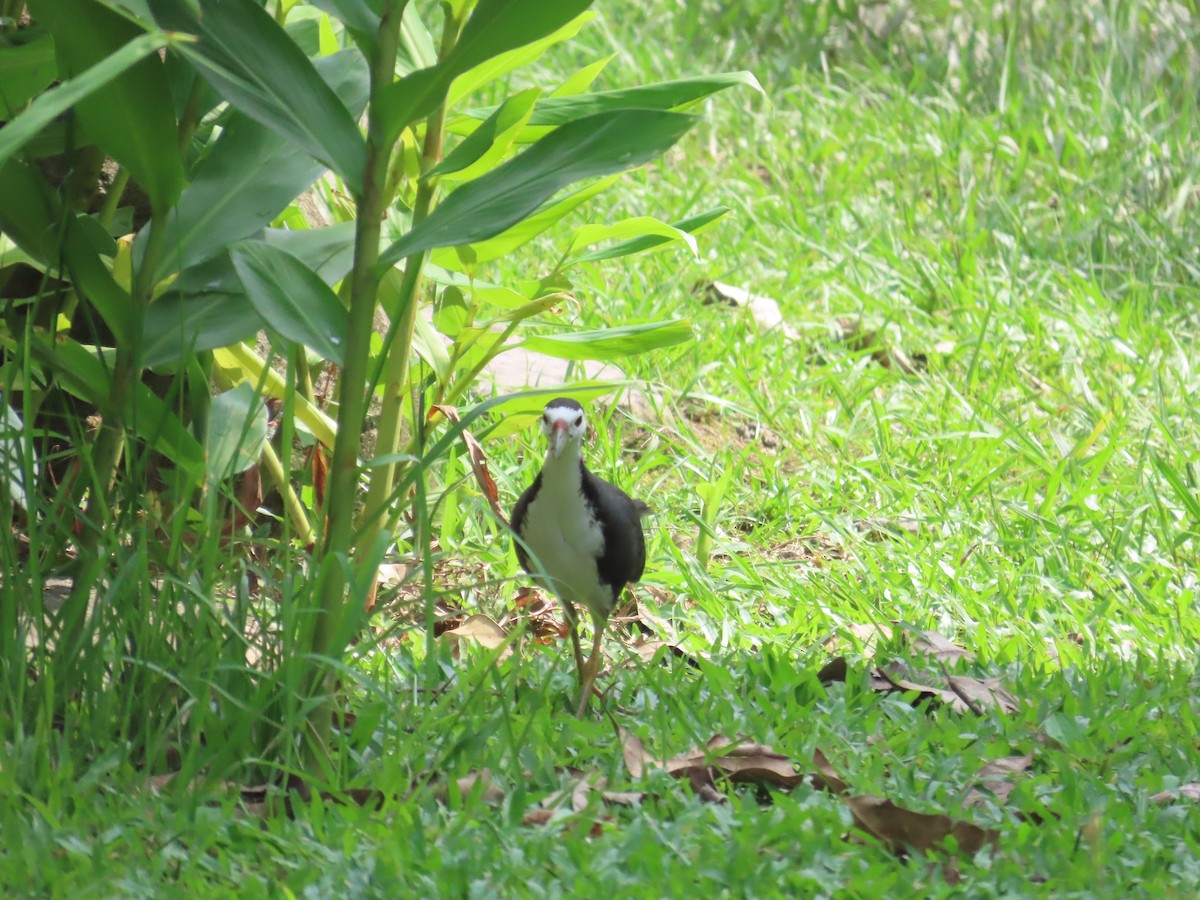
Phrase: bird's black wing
(518,520)
(624,558)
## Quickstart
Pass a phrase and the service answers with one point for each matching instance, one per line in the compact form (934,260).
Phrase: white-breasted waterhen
(578,536)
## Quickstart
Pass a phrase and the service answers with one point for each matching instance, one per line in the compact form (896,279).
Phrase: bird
(579,536)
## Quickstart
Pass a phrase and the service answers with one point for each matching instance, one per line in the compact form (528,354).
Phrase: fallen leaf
(484,631)
(982,693)
(875,529)
(1188,791)
(700,780)
(834,671)
(650,650)
(826,778)
(997,779)
(478,458)
(931,643)
(488,791)
(902,828)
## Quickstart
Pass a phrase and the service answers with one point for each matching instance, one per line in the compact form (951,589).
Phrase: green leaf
(292,298)
(80,371)
(506,62)
(237,431)
(132,116)
(665,95)
(525,230)
(691,225)
(12,452)
(327,251)
(56,101)
(251,174)
(24,72)
(610,343)
(632,229)
(483,148)
(246,56)
(32,216)
(178,325)
(582,80)
(597,145)
(360,20)
(495,26)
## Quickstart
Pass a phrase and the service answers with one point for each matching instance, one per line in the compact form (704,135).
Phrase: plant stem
(342,491)
(399,348)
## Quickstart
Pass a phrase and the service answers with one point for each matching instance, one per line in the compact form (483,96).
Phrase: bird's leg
(587,679)
(573,626)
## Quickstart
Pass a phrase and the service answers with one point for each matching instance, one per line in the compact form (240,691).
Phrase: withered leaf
(902,828)
(997,779)
(984,693)
(931,643)
(483,630)
(649,651)
(479,461)
(489,792)
(834,671)
(701,781)
(826,778)
(1188,791)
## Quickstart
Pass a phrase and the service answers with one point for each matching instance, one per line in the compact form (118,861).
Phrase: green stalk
(342,490)
(399,348)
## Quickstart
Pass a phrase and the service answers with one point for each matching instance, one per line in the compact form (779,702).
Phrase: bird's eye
(546,418)
(578,421)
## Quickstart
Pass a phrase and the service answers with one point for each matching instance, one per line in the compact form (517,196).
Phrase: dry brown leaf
(320,474)
(1188,791)
(876,529)
(826,778)
(489,792)
(902,828)
(479,461)
(983,694)
(649,651)
(636,758)
(483,630)
(997,780)
(834,671)
(931,643)
(700,780)
(539,816)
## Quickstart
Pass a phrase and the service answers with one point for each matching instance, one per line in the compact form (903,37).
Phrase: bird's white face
(563,426)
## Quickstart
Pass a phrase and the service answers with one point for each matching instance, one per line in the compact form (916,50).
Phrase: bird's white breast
(566,539)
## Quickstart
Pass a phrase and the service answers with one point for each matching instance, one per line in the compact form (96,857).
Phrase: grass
(1009,191)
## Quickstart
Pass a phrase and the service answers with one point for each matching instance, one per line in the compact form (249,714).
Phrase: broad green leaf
(495,26)
(81,372)
(430,347)
(691,225)
(597,145)
(582,80)
(527,229)
(610,343)
(32,216)
(665,95)
(416,50)
(14,440)
(292,298)
(56,101)
(630,229)
(482,149)
(178,325)
(250,176)
(246,56)
(132,116)
(360,20)
(24,71)
(327,251)
(240,363)
(237,431)
(451,313)
(506,62)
